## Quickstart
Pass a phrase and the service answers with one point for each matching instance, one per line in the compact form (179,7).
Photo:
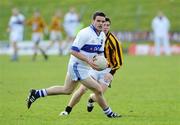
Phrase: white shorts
(55,36)
(78,72)
(16,36)
(100,76)
(37,37)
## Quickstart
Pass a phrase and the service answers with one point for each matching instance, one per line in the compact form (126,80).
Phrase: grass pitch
(145,91)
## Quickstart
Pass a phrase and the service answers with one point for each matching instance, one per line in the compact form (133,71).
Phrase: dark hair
(108,20)
(98,14)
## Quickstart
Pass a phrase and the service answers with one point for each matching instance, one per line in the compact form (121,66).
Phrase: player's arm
(29,22)
(84,58)
(118,54)
(44,26)
(9,25)
(78,43)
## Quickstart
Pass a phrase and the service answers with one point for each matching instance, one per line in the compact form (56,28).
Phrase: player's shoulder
(21,16)
(103,35)
(112,36)
(84,31)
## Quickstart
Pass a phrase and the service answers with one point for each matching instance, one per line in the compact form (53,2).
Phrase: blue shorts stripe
(76,71)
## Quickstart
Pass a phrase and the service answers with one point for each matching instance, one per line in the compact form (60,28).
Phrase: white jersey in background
(16,25)
(88,43)
(160,26)
(71,22)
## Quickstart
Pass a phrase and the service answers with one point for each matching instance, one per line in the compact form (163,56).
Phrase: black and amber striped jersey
(113,52)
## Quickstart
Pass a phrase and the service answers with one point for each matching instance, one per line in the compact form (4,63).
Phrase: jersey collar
(107,34)
(95,30)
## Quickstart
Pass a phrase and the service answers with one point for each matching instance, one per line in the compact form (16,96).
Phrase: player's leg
(43,53)
(77,96)
(96,88)
(157,46)
(50,44)
(59,39)
(35,39)
(104,78)
(74,99)
(92,98)
(15,51)
(166,45)
(68,88)
(52,40)
(35,51)
(14,37)
(40,38)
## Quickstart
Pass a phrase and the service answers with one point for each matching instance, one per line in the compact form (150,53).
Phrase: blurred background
(145,90)
(131,19)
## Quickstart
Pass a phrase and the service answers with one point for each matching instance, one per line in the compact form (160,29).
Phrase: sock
(34,56)
(14,57)
(90,103)
(45,56)
(41,93)
(108,111)
(91,100)
(68,109)
(43,52)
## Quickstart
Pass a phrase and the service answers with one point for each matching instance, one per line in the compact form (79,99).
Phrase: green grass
(126,15)
(145,91)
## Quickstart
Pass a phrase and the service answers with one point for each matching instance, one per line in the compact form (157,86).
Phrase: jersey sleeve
(79,41)
(10,22)
(22,18)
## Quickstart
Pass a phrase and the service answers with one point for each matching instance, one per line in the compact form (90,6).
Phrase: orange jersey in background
(56,24)
(38,24)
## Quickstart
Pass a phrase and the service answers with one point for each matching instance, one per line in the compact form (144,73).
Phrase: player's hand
(108,77)
(93,65)
(8,30)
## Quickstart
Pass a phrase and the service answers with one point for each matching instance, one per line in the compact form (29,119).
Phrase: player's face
(98,22)
(106,27)
(36,14)
(15,11)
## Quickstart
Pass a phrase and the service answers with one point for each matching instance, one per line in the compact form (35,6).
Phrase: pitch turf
(145,91)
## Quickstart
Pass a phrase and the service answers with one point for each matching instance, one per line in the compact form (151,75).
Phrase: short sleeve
(79,41)
(22,17)
(10,21)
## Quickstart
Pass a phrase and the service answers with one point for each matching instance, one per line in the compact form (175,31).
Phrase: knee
(68,91)
(98,91)
(83,90)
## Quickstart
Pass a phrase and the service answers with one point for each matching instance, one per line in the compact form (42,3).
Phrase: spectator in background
(38,27)
(161,26)
(71,23)
(16,30)
(56,30)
